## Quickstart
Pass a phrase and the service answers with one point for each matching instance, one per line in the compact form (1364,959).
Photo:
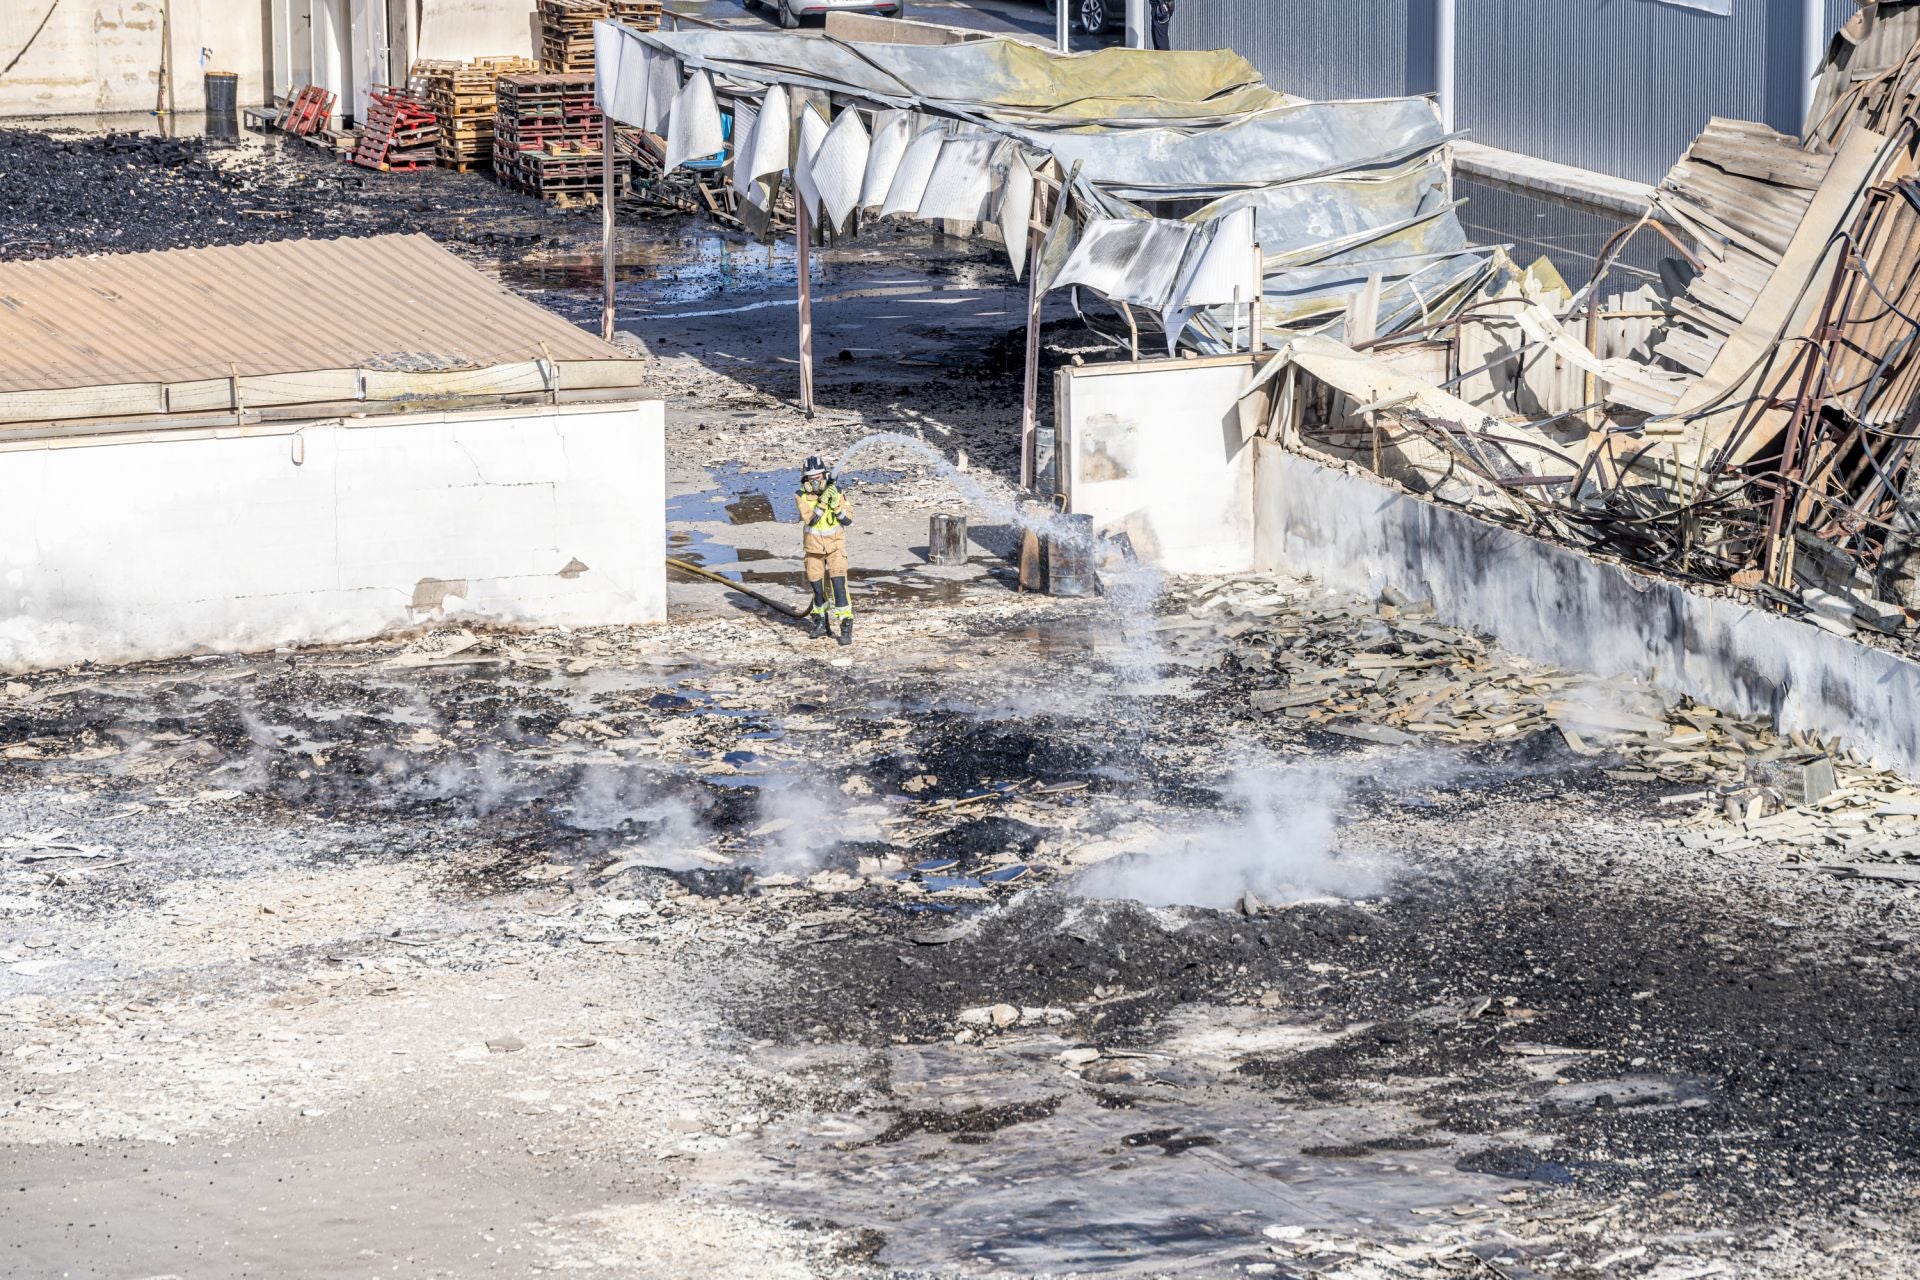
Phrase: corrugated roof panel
(281,307)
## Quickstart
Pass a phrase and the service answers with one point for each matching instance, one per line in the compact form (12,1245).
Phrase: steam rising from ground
(627,799)
(1130,586)
(1278,842)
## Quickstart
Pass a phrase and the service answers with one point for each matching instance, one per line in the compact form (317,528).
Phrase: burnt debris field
(1203,928)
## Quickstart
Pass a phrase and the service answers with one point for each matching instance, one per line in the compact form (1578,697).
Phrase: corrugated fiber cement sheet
(378,302)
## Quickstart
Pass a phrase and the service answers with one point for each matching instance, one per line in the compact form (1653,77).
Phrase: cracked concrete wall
(81,56)
(339,530)
(1560,607)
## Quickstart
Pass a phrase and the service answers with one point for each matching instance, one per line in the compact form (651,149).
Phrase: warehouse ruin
(1373,748)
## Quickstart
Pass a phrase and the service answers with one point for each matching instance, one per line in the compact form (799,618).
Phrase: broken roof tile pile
(1393,675)
(1762,434)
(983,131)
(246,327)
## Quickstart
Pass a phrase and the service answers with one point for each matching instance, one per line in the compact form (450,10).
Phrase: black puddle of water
(689,267)
(1517,1163)
(966,1125)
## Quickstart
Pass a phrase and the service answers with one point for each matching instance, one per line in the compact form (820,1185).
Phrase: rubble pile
(1753,438)
(1391,675)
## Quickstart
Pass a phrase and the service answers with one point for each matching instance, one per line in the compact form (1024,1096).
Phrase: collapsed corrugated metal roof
(1766,430)
(998,78)
(195,329)
(1339,192)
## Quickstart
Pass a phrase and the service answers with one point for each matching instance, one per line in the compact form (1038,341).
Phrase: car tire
(788,18)
(1090,17)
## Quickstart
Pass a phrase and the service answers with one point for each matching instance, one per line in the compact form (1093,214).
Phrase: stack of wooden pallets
(546,138)
(566,34)
(400,134)
(566,28)
(464,96)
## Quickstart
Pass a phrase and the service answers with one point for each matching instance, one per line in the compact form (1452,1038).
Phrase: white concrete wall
(338,531)
(1154,449)
(104,55)
(465,29)
(1560,607)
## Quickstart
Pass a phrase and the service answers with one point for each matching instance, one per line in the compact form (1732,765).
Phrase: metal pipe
(1445,21)
(790,610)
(1030,385)
(803,246)
(606,227)
(1813,54)
(1136,24)
(1062,28)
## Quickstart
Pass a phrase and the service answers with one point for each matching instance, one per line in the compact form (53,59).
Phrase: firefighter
(825,514)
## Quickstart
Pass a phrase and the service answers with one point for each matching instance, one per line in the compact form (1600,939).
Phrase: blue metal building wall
(1622,85)
(1616,85)
(1320,48)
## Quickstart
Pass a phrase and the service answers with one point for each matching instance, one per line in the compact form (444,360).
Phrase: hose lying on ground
(790,610)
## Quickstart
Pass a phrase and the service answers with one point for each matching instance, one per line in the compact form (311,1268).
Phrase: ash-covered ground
(1013,940)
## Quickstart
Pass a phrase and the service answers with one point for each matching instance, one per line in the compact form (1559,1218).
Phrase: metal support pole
(803,242)
(1445,20)
(1257,320)
(1030,396)
(1137,24)
(1062,28)
(163,97)
(1813,52)
(606,227)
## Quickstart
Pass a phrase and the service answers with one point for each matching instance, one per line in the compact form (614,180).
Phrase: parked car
(1092,17)
(791,11)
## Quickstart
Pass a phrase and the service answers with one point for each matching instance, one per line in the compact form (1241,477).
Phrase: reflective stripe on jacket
(830,503)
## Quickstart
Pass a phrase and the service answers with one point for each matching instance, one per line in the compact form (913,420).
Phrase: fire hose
(791,611)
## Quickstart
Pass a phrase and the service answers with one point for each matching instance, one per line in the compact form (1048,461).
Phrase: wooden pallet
(308,111)
(339,142)
(400,134)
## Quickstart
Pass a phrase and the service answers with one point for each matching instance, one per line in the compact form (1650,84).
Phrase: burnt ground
(125,192)
(678,951)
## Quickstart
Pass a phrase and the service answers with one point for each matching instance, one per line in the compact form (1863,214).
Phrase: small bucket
(1069,556)
(946,539)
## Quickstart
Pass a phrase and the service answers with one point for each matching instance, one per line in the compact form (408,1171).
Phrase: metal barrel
(947,539)
(1069,554)
(223,93)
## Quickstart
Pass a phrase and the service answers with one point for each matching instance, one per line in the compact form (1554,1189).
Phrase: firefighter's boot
(822,628)
(843,609)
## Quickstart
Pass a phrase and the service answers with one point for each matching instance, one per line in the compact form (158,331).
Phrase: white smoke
(616,798)
(1131,586)
(480,786)
(801,823)
(1278,842)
